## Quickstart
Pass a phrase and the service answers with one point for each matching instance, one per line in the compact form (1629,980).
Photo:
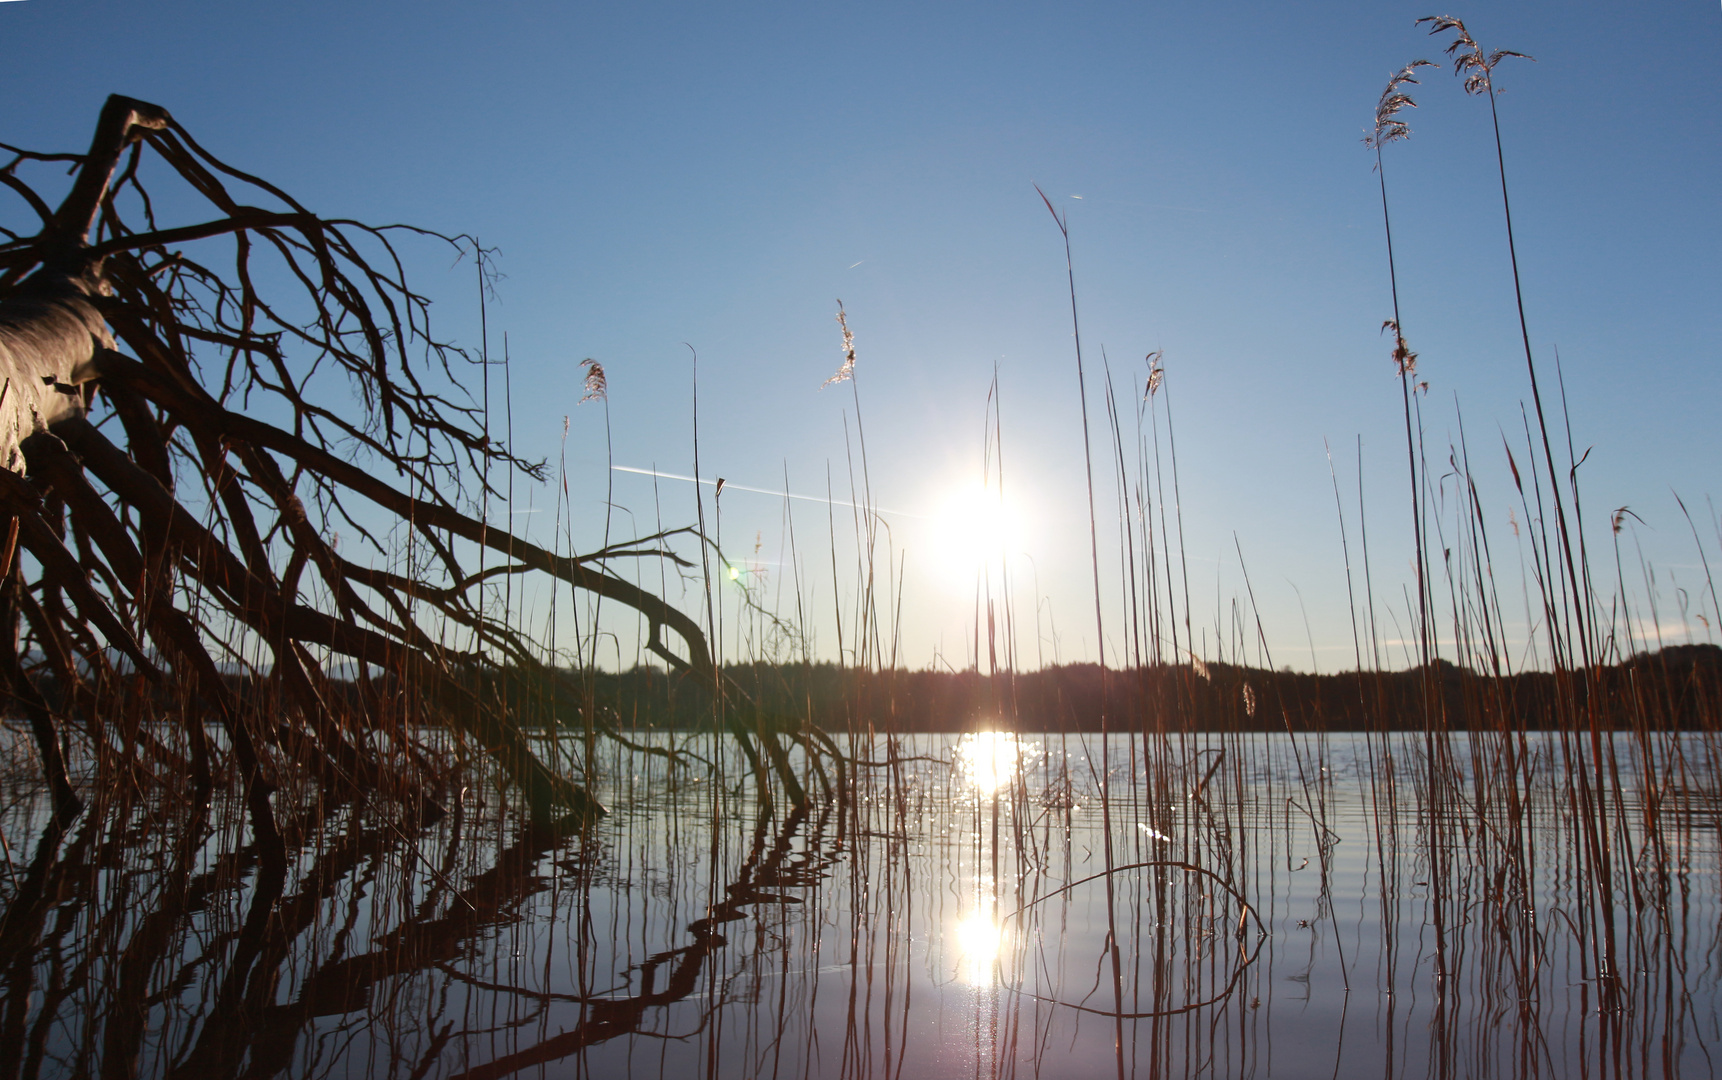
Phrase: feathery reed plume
(1388,126)
(597,386)
(1590,782)
(1469,60)
(847,370)
(1404,360)
(1477,69)
(1156,373)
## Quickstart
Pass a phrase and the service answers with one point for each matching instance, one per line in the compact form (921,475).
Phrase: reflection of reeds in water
(150,941)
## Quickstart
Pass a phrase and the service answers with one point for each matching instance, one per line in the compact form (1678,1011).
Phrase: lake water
(1308,909)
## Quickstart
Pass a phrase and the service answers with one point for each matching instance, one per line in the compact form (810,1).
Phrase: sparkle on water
(979,939)
(990,759)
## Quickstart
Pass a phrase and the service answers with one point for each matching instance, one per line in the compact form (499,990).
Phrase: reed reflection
(919,928)
(138,948)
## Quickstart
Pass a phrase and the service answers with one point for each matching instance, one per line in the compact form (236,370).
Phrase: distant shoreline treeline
(1678,687)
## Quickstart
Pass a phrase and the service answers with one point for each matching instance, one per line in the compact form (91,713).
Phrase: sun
(975,526)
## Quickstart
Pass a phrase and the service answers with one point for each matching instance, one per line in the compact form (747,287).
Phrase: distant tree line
(1677,687)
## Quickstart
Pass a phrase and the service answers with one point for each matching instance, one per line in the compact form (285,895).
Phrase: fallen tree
(134,558)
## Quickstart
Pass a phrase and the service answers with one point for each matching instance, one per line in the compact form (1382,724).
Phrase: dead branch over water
(176,482)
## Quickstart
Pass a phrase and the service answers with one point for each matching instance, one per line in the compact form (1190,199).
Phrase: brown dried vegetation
(177,484)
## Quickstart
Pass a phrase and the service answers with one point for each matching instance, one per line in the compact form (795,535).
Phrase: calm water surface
(1273,909)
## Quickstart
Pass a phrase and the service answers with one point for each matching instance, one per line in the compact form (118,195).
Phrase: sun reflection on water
(978,940)
(989,760)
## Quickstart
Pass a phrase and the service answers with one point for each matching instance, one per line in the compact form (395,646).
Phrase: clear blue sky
(721,174)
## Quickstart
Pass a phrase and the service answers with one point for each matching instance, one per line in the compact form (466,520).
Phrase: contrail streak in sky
(731,485)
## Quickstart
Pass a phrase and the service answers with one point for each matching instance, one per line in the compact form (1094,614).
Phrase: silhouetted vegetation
(1678,688)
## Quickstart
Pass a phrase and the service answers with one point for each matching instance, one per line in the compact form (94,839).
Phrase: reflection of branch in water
(246,1026)
(238,1020)
(1245,959)
(128,1014)
(20,928)
(102,932)
(605,1019)
(123,910)
(58,945)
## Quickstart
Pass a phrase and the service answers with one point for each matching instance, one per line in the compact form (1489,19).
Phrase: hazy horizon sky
(657,177)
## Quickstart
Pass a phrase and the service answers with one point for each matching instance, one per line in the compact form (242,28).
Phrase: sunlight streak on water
(979,941)
(989,760)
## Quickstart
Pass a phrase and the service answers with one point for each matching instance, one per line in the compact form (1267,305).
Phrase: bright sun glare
(978,942)
(989,759)
(975,525)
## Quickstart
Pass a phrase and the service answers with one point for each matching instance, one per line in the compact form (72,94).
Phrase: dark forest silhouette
(1678,687)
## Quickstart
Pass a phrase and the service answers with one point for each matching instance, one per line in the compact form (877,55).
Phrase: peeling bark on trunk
(49,333)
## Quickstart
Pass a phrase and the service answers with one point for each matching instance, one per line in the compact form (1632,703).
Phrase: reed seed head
(597,386)
(1388,126)
(1200,667)
(1469,60)
(847,370)
(1156,373)
(1403,358)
